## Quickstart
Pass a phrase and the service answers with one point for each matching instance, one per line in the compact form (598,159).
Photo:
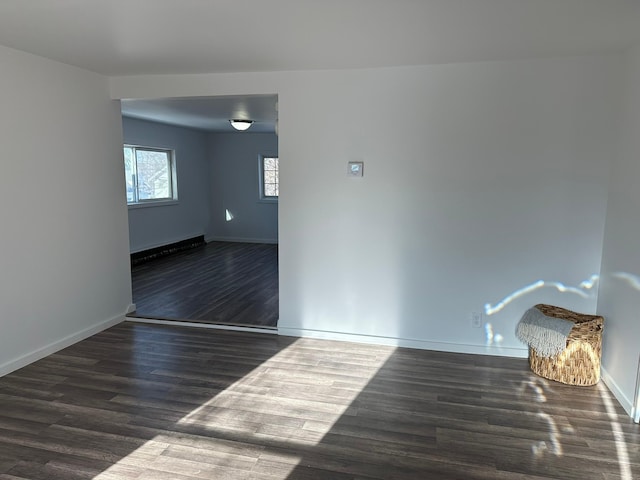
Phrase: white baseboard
(271,331)
(241,240)
(617,392)
(58,345)
(406,342)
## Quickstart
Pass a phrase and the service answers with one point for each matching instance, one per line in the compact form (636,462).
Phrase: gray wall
(619,299)
(64,272)
(160,225)
(216,173)
(235,187)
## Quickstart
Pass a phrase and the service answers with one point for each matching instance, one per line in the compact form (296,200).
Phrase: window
(269,178)
(149,174)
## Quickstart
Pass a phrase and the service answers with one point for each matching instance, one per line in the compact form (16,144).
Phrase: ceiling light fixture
(241,125)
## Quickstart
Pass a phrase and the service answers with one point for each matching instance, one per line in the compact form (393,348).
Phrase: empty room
(456,227)
(202,199)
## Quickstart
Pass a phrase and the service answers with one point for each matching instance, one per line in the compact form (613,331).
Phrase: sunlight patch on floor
(259,419)
(537,388)
(282,391)
(556,426)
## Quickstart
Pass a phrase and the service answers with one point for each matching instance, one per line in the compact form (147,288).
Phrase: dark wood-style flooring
(153,402)
(221,282)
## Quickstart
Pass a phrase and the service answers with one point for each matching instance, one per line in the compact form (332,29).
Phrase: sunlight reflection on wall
(631,279)
(584,290)
(362,308)
(492,337)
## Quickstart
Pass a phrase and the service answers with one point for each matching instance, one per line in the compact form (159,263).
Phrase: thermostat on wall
(355,169)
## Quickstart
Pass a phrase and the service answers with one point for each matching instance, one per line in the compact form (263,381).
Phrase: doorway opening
(210,252)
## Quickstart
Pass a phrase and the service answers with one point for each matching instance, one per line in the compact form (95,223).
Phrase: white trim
(131,308)
(240,240)
(635,412)
(165,243)
(58,345)
(617,392)
(175,323)
(406,342)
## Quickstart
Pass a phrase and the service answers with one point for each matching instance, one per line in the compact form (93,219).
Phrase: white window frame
(152,202)
(263,197)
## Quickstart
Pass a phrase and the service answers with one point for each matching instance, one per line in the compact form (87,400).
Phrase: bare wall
(237,213)
(619,299)
(65,267)
(484,190)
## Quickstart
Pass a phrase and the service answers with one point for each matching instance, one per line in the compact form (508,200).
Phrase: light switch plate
(355,169)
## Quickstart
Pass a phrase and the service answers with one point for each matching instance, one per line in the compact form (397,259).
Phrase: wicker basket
(579,363)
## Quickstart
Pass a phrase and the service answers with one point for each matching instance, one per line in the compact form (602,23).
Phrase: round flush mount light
(241,125)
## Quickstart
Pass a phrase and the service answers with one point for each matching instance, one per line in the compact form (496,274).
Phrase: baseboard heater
(157,252)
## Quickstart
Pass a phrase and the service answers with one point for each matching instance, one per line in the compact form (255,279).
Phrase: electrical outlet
(476,319)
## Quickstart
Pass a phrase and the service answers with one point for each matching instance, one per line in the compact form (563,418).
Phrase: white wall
(65,267)
(479,180)
(235,188)
(160,225)
(619,299)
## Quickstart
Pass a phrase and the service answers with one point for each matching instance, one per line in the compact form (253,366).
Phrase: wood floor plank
(158,402)
(220,282)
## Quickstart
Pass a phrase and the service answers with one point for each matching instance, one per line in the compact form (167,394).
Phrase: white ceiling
(136,37)
(129,37)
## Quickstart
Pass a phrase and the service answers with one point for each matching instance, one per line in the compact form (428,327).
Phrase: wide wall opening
(203,208)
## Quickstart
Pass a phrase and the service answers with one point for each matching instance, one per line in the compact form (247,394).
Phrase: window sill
(163,203)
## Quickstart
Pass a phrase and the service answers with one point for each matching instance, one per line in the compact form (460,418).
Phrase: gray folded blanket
(546,335)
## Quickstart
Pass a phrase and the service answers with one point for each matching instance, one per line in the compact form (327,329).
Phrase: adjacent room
(203,209)
(442,167)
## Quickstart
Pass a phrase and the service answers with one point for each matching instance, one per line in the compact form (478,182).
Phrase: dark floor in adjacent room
(220,282)
(155,402)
